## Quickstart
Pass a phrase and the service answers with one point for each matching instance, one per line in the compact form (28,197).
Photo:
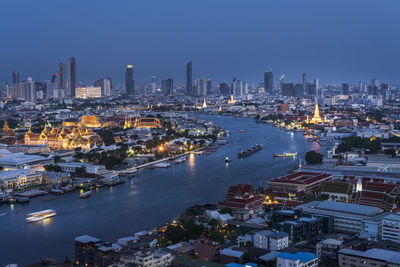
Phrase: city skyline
(348,50)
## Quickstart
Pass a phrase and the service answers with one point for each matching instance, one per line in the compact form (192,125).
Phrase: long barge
(250,151)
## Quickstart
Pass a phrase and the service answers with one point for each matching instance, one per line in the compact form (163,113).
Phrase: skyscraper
(129,81)
(224,88)
(189,79)
(201,87)
(345,89)
(61,76)
(72,76)
(209,87)
(268,81)
(105,85)
(15,77)
(167,86)
(152,85)
(304,83)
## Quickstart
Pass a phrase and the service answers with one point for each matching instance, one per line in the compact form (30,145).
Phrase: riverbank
(151,198)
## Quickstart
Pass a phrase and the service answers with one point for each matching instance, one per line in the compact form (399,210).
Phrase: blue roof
(249,264)
(302,256)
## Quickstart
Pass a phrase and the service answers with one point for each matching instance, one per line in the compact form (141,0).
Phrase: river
(150,198)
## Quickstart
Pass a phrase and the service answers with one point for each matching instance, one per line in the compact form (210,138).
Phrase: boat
(162,165)
(40,215)
(128,172)
(242,131)
(23,200)
(85,194)
(180,160)
(250,151)
(285,155)
(227,160)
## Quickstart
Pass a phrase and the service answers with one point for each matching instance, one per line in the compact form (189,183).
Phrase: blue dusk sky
(335,41)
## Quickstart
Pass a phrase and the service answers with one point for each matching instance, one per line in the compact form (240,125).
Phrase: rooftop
(302,256)
(86,239)
(374,253)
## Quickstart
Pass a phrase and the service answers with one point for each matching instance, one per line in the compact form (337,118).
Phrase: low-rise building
(207,250)
(18,179)
(148,258)
(370,257)
(271,240)
(243,201)
(328,248)
(391,227)
(298,259)
(298,182)
(90,251)
(348,218)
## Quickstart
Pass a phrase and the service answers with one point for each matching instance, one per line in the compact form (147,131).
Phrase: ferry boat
(285,155)
(85,194)
(162,165)
(40,215)
(227,160)
(250,151)
(180,160)
(128,172)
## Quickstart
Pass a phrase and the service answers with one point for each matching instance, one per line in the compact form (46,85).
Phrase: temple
(65,137)
(316,119)
(142,123)
(243,201)
(6,130)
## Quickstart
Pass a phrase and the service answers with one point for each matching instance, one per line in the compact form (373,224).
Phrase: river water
(149,199)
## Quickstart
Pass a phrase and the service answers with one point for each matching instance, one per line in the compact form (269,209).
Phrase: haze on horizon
(335,41)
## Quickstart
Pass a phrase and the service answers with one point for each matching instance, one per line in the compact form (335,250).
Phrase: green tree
(217,236)
(390,152)
(313,157)
(175,234)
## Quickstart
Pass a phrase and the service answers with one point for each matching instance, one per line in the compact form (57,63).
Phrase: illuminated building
(6,130)
(64,138)
(127,123)
(129,81)
(87,92)
(147,123)
(89,122)
(231,100)
(316,118)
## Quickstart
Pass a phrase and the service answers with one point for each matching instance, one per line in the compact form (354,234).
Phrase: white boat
(162,165)
(179,160)
(40,215)
(85,194)
(227,160)
(128,172)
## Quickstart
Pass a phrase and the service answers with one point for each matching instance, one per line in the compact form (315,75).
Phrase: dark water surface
(150,198)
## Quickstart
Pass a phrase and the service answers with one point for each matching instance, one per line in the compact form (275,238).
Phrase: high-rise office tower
(152,85)
(189,79)
(287,89)
(268,81)
(201,87)
(15,77)
(345,88)
(167,86)
(72,76)
(224,89)
(129,81)
(316,86)
(61,76)
(304,82)
(28,91)
(209,87)
(105,85)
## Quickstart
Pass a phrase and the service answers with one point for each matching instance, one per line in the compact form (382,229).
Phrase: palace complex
(68,136)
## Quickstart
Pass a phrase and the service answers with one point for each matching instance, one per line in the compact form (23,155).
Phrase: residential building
(328,248)
(189,79)
(167,86)
(72,76)
(148,258)
(271,240)
(304,228)
(268,81)
(90,251)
